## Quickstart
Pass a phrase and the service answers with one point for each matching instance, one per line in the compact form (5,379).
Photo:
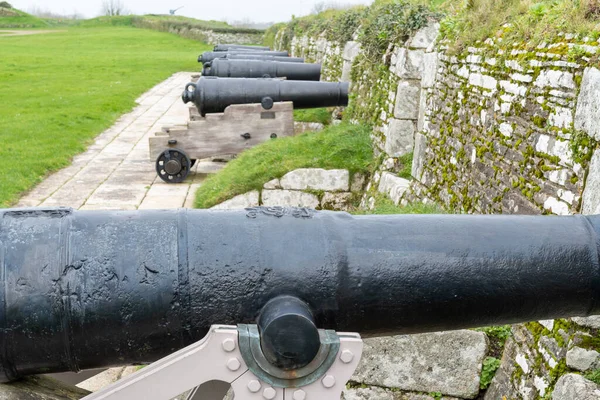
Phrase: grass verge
(518,21)
(321,115)
(63,89)
(343,146)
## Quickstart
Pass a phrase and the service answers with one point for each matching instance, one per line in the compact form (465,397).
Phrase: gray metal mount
(232,355)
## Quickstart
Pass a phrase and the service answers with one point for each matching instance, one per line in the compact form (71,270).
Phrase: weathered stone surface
(425,37)
(582,359)
(591,194)
(589,322)
(555,79)
(40,388)
(409,64)
(448,362)
(301,127)
(399,137)
(317,179)
(358,183)
(351,50)
(483,81)
(430,67)
(407,100)
(377,393)
(370,394)
(274,184)
(106,378)
(242,201)
(419,155)
(336,201)
(289,198)
(587,116)
(393,186)
(575,387)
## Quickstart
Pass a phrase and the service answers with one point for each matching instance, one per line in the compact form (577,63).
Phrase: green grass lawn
(343,146)
(60,90)
(322,115)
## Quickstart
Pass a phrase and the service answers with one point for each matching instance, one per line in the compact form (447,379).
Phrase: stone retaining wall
(496,129)
(510,131)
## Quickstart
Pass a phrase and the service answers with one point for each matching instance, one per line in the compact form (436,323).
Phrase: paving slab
(115,172)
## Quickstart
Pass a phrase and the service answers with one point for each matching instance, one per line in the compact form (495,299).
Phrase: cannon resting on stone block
(226,68)
(208,56)
(231,115)
(84,289)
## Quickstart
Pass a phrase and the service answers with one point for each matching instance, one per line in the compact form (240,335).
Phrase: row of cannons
(260,299)
(245,96)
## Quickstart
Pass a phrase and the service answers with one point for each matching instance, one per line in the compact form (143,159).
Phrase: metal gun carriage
(231,115)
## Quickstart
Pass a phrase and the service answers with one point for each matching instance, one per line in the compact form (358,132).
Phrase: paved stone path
(115,173)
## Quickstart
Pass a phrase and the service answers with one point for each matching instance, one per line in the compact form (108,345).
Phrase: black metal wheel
(173,166)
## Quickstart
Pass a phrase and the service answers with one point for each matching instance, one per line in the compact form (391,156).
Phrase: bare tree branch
(112,8)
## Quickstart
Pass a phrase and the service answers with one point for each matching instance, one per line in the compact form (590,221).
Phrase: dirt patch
(5,33)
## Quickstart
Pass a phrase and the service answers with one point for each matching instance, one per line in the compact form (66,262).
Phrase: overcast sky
(224,10)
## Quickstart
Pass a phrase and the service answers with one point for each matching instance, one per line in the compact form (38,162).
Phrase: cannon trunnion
(96,289)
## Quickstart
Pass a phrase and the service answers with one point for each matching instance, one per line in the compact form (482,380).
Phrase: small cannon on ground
(239,47)
(254,56)
(232,115)
(225,68)
(97,289)
(211,55)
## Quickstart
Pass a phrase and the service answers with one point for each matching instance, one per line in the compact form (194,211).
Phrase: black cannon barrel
(241,56)
(211,55)
(227,47)
(88,289)
(214,95)
(224,68)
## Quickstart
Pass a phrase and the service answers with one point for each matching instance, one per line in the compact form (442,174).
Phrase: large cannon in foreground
(96,289)
(228,47)
(208,56)
(225,68)
(214,95)
(255,56)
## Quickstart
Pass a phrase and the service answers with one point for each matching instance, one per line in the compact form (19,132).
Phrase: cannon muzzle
(228,47)
(242,56)
(224,68)
(85,289)
(211,55)
(214,95)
